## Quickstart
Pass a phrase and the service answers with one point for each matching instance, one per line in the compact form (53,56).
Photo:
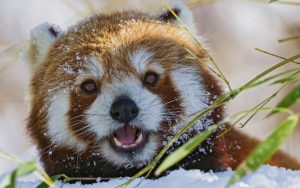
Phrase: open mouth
(128,138)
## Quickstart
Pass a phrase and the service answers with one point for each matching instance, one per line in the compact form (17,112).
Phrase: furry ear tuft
(168,15)
(42,37)
(182,11)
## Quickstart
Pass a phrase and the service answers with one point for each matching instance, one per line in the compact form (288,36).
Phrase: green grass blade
(10,157)
(275,76)
(24,169)
(274,55)
(265,149)
(271,69)
(272,1)
(39,172)
(53,178)
(285,80)
(185,150)
(288,100)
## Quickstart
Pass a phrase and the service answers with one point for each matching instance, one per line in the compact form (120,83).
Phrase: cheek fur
(58,124)
(194,96)
(98,117)
(77,118)
(151,109)
(171,101)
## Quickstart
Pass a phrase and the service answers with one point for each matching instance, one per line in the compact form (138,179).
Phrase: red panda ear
(182,11)
(42,37)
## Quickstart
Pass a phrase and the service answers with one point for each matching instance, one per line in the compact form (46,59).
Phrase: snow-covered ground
(265,177)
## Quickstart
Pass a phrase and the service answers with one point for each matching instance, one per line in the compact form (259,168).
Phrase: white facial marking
(58,122)
(156,67)
(189,84)
(94,66)
(140,59)
(93,69)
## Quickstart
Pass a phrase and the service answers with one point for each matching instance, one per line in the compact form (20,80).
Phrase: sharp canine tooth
(139,139)
(118,143)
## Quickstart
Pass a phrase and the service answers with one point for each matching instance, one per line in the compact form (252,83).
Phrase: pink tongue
(126,135)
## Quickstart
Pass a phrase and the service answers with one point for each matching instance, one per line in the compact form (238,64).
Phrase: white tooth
(118,143)
(139,139)
(132,145)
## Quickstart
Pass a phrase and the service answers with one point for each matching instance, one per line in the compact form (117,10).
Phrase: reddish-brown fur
(94,38)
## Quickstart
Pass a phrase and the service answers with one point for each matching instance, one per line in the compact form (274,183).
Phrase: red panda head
(117,87)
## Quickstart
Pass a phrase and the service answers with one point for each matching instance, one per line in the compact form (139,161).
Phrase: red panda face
(119,91)
(125,104)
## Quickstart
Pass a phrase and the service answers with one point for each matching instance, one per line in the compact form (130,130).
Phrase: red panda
(108,94)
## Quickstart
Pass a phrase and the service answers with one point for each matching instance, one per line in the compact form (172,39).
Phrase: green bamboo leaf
(185,150)
(272,1)
(265,149)
(284,80)
(278,75)
(288,100)
(24,169)
(53,178)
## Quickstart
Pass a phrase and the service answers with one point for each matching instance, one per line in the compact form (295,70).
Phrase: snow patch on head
(68,69)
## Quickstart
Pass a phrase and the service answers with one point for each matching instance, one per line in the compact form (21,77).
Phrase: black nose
(124,110)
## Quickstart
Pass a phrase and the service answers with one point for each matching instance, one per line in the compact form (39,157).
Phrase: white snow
(266,177)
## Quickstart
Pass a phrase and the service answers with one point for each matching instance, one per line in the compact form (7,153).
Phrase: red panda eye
(151,79)
(88,87)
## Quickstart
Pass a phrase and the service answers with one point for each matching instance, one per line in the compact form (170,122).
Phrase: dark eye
(151,79)
(88,87)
